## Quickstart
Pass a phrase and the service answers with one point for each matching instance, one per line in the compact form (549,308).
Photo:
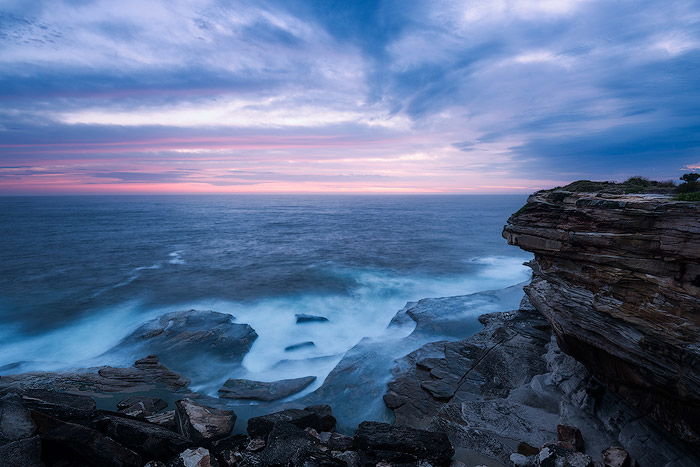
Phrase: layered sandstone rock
(618,278)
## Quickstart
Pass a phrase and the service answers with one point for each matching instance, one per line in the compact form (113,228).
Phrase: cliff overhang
(618,278)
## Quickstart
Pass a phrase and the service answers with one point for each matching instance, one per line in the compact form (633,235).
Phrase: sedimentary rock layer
(618,278)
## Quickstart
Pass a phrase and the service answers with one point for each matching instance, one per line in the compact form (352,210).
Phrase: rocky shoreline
(597,366)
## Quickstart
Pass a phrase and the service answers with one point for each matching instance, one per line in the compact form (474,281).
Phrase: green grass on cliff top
(632,185)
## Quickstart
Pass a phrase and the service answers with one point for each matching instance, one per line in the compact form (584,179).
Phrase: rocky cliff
(618,278)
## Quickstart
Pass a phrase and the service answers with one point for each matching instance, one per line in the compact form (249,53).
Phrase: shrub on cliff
(690,183)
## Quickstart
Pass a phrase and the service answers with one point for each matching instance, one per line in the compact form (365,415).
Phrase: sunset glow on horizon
(344,97)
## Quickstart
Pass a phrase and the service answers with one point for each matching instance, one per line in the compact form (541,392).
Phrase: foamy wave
(365,312)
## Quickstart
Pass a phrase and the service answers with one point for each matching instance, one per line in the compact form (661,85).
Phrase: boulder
(201,423)
(152,441)
(69,443)
(260,427)
(263,391)
(382,439)
(141,406)
(182,338)
(306,318)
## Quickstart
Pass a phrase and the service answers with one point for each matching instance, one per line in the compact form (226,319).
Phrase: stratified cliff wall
(618,278)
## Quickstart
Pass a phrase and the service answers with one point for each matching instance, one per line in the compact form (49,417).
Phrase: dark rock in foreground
(392,443)
(81,445)
(263,391)
(319,418)
(201,423)
(153,441)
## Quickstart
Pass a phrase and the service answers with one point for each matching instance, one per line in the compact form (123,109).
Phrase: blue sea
(77,274)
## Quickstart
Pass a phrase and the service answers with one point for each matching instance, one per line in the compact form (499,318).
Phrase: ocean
(78,274)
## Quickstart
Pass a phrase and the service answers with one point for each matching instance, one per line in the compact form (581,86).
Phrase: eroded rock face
(618,278)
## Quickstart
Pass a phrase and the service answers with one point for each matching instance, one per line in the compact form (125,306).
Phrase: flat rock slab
(263,391)
(300,345)
(304,318)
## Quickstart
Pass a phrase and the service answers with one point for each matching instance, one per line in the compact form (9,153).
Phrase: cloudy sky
(459,96)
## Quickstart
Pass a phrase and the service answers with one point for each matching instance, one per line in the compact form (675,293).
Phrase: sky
(331,96)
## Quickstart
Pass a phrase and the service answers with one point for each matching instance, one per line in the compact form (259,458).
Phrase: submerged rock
(305,318)
(263,391)
(300,345)
(201,423)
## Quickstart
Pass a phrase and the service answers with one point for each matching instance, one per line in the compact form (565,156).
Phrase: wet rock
(481,389)
(326,420)
(147,375)
(375,437)
(165,419)
(570,437)
(24,452)
(201,423)
(260,427)
(198,457)
(77,444)
(182,338)
(15,421)
(263,391)
(141,406)
(153,441)
(616,457)
(301,345)
(305,318)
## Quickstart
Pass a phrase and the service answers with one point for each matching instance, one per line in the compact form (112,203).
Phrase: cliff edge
(618,278)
